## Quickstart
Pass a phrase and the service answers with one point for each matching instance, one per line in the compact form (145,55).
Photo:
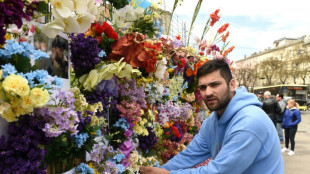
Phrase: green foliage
(42,7)
(118,3)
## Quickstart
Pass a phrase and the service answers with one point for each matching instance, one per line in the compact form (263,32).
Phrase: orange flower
(224,36)
(214,17)
(228,50)
(223,28)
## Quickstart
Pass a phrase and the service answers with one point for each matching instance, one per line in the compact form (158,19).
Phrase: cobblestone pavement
(300,163)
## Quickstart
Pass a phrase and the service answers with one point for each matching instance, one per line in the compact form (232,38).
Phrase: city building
(287,61)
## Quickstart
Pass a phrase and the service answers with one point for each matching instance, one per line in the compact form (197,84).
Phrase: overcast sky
(254,25)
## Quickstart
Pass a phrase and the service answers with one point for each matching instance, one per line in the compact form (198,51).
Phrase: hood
(293,108)
(241,99)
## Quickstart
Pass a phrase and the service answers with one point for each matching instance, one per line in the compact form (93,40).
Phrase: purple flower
(84,53)
(111,86)
(11,13)
(126,147)
(147,142)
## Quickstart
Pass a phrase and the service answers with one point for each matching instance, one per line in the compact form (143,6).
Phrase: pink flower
(126,148)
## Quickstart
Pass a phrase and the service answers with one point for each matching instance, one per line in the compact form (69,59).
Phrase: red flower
(201,53)
(176,132)
(150,65)
(182,63)
(224,36)
(97,28)
(223,28)
(178,37)
(109,31)
(214,17)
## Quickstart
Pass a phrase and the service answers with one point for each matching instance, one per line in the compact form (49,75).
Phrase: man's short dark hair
(213,65)
(281,95)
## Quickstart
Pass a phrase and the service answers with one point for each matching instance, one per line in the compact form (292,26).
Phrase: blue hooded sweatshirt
(243,140)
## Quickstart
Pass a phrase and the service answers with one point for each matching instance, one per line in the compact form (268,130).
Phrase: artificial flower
(62,8)
(16,84)
(39,97)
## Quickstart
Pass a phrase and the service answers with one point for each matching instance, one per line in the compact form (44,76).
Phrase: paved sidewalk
(300,163)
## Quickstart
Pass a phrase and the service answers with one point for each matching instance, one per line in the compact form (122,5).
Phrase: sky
(253,25)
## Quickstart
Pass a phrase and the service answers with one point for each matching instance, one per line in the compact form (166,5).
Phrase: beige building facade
(294,53)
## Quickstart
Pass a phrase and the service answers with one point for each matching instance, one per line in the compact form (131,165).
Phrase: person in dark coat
(271,107)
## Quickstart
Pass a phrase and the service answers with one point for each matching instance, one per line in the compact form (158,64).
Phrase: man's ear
(232,85)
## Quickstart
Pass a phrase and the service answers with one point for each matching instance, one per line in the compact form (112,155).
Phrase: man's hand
(153,170)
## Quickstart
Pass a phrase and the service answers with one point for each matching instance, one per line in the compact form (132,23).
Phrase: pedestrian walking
(291,119)
(282,103)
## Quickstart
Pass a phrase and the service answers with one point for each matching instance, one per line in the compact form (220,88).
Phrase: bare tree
(269,67)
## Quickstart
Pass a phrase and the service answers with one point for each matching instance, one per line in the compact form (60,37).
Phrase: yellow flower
(156,15)
(39,97)
(170,70)
(9,115)
(16,84)
(154,5)
(145,132)
(90,80)
(138,129)
(26,101)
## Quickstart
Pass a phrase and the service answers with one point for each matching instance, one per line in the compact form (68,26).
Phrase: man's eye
(202,88)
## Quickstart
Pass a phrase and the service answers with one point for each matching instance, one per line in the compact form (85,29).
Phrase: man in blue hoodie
(238,135)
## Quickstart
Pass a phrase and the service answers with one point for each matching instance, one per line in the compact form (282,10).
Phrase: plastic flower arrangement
(130,19)
(107,160)
(71,132)
(23,89)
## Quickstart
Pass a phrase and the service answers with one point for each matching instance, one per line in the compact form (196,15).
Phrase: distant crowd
(284,115)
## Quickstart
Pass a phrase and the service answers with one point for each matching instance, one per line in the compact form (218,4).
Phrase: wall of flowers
(94,86)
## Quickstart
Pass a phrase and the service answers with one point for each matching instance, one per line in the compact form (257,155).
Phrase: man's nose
(208,92)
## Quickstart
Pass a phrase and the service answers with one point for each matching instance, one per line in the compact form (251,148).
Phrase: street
(298,164)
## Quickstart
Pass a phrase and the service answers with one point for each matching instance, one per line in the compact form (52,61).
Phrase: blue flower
(121,168)
(80,139)
(8,69)
(98,132)
(122,123)
(119,157)
(13,48)
(58,81)
(102,54)
(185,86)
(84,169)
(39,54)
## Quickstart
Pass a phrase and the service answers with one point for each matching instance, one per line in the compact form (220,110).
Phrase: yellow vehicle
(297,92)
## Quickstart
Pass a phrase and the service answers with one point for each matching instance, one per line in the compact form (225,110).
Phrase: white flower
(51,29)
(81,6)
(161,68)
(85,21)
(71,24)
(93,7)
(62,8)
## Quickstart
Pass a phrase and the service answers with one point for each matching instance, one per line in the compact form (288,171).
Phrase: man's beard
(221,104)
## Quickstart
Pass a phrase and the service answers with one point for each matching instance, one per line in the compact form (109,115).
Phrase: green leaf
(5,98)
(42,7)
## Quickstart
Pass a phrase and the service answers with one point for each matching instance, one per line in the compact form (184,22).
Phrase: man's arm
(235,156)
(195,153)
